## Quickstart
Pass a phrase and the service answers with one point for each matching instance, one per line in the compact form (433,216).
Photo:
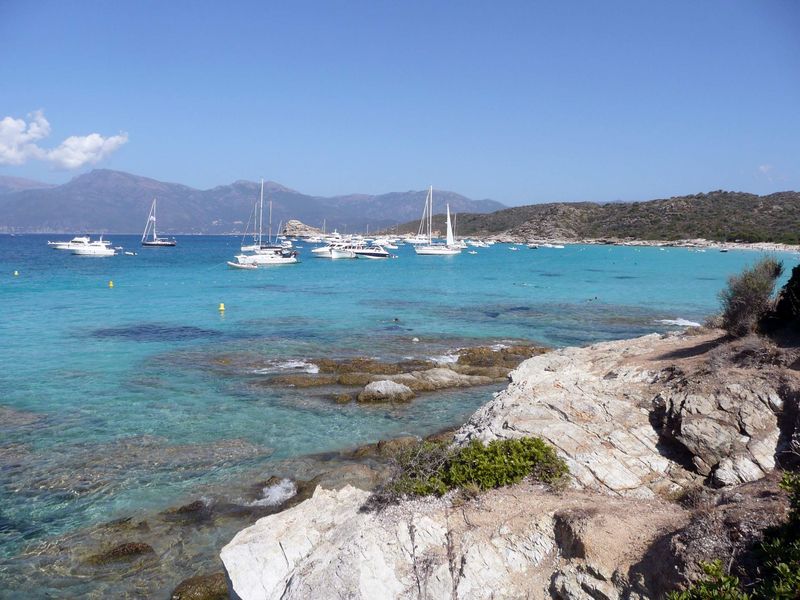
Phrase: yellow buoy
(16,273)
(221,307)
(111,284)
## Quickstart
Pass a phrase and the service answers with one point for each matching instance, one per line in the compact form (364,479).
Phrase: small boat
(129,253)
(245,266)
(150,228)
(533,246)
(472,252)
(513,248)
(723,249)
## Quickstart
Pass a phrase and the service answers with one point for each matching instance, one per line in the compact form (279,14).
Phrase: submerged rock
(202,587)
(385,391)
(121,552)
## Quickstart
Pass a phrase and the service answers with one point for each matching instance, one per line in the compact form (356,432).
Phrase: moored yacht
(150,228)
(77,241)
(430,248)
(265,254)
(96,248)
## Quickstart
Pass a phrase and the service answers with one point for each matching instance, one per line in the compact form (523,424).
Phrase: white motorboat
(472,252)
(76,242)
(150,228)
(97,248)
(430,248)
(513,248)
(337,252)
(533,246)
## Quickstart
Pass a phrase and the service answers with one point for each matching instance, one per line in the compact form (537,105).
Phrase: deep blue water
(126,398)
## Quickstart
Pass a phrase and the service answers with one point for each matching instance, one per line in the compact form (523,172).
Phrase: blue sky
(516,101)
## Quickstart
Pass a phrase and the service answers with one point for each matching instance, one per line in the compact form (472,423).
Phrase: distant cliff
(719,215)
(114,201)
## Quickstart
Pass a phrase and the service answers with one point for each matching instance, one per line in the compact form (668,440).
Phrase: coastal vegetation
(748,296)
(777,572)
(719,215)
(436,467)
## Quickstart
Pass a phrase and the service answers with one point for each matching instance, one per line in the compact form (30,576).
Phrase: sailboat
(430,248)
(150,228)
(264,254)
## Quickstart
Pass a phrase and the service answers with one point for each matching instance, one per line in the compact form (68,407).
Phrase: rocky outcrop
(510,543)
(385,391)
(639,422)
(294,228)
(730,429)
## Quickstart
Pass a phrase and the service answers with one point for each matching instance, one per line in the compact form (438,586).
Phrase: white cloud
(18,144)
(79,150)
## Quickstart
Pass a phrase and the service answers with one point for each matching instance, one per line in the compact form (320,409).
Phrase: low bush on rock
(434,468)
(748,296)
(778,576)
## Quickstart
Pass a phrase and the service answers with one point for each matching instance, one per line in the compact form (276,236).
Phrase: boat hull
(436,250)
(243,266)
(159,244)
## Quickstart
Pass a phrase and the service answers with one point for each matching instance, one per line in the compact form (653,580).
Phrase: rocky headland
(672,442)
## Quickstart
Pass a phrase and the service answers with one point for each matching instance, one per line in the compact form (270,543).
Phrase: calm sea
(114,400)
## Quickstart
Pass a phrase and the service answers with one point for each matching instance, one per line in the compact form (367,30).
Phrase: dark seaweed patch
(625,277)
(155,332)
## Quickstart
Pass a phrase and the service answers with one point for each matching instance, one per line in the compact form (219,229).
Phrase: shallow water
(124,399)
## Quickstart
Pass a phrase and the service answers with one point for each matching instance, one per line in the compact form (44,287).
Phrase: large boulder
(386,391)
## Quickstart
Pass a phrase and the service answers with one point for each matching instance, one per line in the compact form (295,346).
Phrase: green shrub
(779,558)
(715,585)
(434,468)
(504,462)
(748,296)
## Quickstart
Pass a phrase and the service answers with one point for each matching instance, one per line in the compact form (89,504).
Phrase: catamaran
(430,248)
(150,228)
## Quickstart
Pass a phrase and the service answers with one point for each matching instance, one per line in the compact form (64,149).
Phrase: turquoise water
(127,398)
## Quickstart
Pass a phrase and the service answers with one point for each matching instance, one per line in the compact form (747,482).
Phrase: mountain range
(114,201)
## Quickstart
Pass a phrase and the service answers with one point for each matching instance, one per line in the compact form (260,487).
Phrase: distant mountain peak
(105,200)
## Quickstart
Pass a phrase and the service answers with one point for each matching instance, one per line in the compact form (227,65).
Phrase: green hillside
(719,215)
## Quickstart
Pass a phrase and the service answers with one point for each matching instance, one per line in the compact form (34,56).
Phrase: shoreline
(697,243)
(613,411)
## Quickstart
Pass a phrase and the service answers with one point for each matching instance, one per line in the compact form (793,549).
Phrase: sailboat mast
(261,214)
(270,220)
(430,215)
(154,220)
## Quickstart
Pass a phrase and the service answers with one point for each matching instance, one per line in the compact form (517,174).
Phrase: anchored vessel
(150,229)
(430,248)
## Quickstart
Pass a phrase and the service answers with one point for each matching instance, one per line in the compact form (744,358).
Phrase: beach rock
(202,587)
(439,378)
(342,398)
(303,380)
(501,545)
(385,391)
(510,357)
(121,552)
